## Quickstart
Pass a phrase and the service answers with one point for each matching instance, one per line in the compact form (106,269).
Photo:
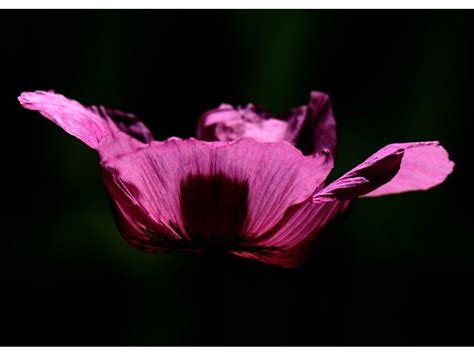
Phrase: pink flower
(244,185)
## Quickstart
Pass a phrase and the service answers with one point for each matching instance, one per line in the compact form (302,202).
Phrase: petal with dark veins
(209,192)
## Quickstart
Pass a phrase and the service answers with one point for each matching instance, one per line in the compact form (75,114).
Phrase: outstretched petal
(396,168)
(215,193)
(89,124)
(424,165)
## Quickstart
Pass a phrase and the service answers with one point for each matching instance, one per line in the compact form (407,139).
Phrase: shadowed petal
(212,190)
(312,128)
(89,124)
(125,122)
(290,242)
(395,168)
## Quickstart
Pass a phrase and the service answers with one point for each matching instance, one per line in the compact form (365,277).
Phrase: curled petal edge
(396,168)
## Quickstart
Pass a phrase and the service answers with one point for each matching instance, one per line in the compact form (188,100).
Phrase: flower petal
(214,192)
(291,241)
(136,226)
(89,124)
(125,122)
(424,165)
(228,124)
(313,127)
(396,168)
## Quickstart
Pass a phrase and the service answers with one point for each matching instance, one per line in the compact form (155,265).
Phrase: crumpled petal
(396,168)
(89,124)
(311,128)
(228,124)
(291,241)
(215,193)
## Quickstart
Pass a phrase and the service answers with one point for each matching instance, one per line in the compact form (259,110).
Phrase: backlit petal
(213,192)
(424,165)
(89,124)
(396,168)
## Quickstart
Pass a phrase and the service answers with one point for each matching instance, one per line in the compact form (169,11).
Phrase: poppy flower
(248,184)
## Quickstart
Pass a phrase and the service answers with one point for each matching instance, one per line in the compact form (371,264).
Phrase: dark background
(397,271)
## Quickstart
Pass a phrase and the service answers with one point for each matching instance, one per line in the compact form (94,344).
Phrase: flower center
(214,209)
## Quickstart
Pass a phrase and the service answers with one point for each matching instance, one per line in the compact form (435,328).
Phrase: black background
(397,271)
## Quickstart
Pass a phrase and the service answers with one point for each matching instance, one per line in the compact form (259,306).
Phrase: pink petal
(313,127)
(125,122)
(89,124)
(290,242)
(117,144)
(424,165)
(136,226)
(214,193)
(229,124)
(395,168)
